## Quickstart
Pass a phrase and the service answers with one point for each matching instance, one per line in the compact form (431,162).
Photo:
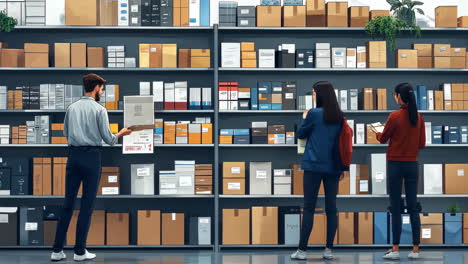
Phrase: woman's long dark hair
(326,99)
(406,92)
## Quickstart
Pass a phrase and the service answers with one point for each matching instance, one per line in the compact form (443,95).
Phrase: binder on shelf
(158,95)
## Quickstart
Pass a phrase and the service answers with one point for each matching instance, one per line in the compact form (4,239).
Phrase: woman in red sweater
(406,131)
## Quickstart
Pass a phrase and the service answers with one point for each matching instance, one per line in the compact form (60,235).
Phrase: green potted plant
(7,24)
(388,28)
(454,209)
(405,9)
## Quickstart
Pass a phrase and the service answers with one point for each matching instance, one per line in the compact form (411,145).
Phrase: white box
(339,57)
(433,179)
(322,53)
(344,99)
(55,12)
(352,178)
(360,134)
(266,58)
(158,92)
(428,129)
(194,13)
(430,99)
(145,88)
(180,91)
(230,55)
(351,60)
(322,63)
(361,50)
(379,173)
(169,92)
(233,105)
(447,92)
(223,105)
(123,13)
(322,46)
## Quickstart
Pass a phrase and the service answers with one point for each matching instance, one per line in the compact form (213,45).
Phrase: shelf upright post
(216,137)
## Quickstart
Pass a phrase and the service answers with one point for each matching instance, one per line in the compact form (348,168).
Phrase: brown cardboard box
(184,17)
(59,175)
(442,50)
(37,176)
(425,62)
(463,21)
(96,232)
(62,55)
(236,226)
(95,57)
(448,105)
(264,225)
(144,55)
(113,105)
(46,176)
(381,98)
(200,52)
(117,229)
(247,46)
(249,55)
(458,105)
(431,228)
(294,16)
(36,48)
(406,58)
(457,88)
(204,180)
(149,227)
(298,180)
(346,228)
(49,232)
(368,98)
(371,136)
(169,55)
(233,186)
(465,228)
(207,133)
(225,139)
(466,59)
(457,62)
(184,58)
(337,14)
(319,232)
(249,64)
(155,55)
(358,16)
(365,228)
(316,13)
(176,16)
(377,54)
(234,169)
(456,179)
(173,229)
(446,16)
(108,13)
(110,181)
(378,13)
(81,13)
(200,58)
(362,174)
(458,52)
(442,62)
(343,186)
(424,50)
(203,190)
(78,55)
(268,16)
(12,58)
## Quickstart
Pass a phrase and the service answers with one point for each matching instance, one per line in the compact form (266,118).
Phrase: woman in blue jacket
(321,127)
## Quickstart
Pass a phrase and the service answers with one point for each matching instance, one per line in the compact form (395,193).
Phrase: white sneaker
(85,256)
(392,255)
(58,256)
(413,255)
(327,253)
(299,255)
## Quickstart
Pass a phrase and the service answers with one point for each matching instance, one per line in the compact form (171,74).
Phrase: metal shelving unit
(363,196)
(51,111)
(105,146)
(53,69)
(108,197)
(93,28)
(341,70)
(118,247)
(332,29)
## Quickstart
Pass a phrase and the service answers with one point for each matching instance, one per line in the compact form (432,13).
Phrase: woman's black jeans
(312,182)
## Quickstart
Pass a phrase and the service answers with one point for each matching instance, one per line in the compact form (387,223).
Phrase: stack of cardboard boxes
(203,179)
(425,55)
(234,178)
(42,176)
(376,54)
(184,132)
(454,96)
(200,58)
(110,181)
(249,55)
(56,134)
(36,55)
(372,99)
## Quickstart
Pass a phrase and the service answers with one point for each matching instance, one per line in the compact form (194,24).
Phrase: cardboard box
(431,228)
(378,13)
(294,16)
(298,180)
(425,62)
(155,56)
(442,50)
(173,229)
(424,50)
(149,227)
(458,52)
(95,57)
(365,228)
(463,21)
(184,58)
(371,136)
(233,169)
(457,62)
(233,186)
(316,13)
(362,179)
(12,58)
(108,13)
(406,58)
(377,54)
(78,55)
(200,62)
(169,56)
(249,63)
(144,55)
(446,16)
(236,226)
(367,99)
(343,185)
(81,13)
(456,179)
(442,62)
(36,55)
(62,55)
(337,14)
(110,181)
(268,16)
(346,228)
(381,98)
(97,228)
(264,225)
(117,229)
(358,16)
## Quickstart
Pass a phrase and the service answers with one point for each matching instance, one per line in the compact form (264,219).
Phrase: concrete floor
(430,256)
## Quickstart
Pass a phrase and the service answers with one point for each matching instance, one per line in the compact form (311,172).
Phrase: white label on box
(426,233)
(168,186)
(112,179)
(110,190)
(134,20)
(3,218)
(174,216)
(461,172)
(406,220)
(277,89)
(235,170)
(153,49)
(143,171)
(185,181)
(244,22)
(442,48)
(457,50)
(234,186)
(134,8)
(289,95)
(279,172)
(205,130)
(261,174)
(204,221)
(363,186)
(403,55)
(30,226)
(379,176)
(244,11)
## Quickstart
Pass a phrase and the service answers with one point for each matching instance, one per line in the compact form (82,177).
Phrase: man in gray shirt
(86,127)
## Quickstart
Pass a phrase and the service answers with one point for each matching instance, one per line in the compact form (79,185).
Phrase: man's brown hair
(91,80)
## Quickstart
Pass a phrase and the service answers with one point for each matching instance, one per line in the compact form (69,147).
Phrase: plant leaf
(418,3)
(420,11)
